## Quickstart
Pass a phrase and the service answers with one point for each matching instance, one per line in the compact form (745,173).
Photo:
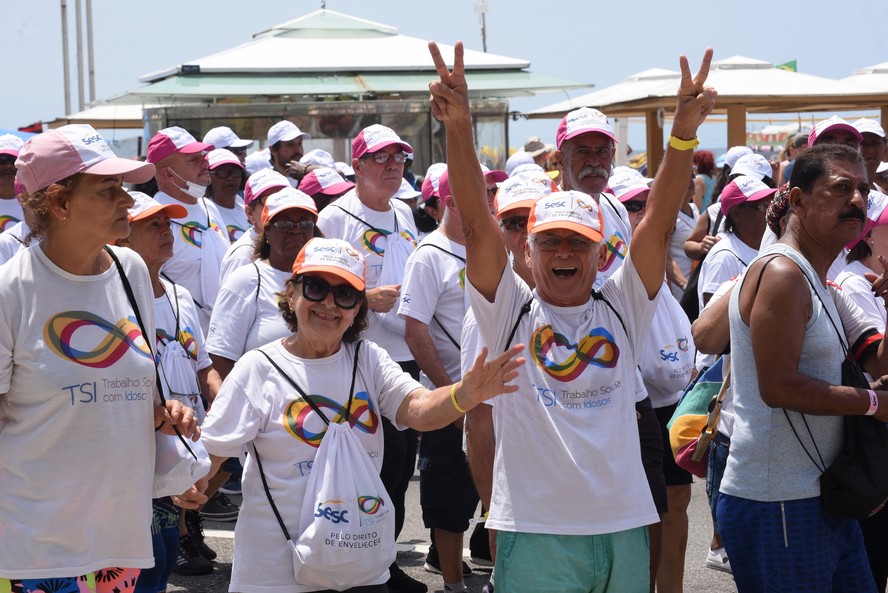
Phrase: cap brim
(762,195)
(580,229)
(337,188)
(498,176)
(354,281)
(172,211)
(576,133)
(404,146)
(10,152)
(631,193)
(240,144)
(293,207)
(196,147)
(519,205)
(132,171)
(218,164)
(303,135)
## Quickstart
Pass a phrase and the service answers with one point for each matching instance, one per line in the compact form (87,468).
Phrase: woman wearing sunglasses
(246,314)
(325,306)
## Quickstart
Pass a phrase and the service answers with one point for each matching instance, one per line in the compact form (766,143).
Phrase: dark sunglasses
(634,205)
(286,226)
(226,173)
(316,290)
(515,223)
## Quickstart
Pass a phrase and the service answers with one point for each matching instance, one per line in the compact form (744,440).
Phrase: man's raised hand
(695,101)
(450,94)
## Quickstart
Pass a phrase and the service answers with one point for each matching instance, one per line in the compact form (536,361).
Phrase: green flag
(789,66)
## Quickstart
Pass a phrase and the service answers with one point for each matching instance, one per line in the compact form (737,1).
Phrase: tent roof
(754,84)
(330,42)
(872,76)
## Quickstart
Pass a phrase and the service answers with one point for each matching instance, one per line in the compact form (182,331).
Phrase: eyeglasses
(515,223)
(316,290)
(285,226)
(635,205)
(761,206)
(551,242)
(491,191)
(381,158)
(238,151)
(225,173)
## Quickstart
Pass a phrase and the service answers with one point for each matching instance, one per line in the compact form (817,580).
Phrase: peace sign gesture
(695,100)
(449,95)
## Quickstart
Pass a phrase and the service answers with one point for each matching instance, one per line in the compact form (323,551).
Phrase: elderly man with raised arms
(570,499)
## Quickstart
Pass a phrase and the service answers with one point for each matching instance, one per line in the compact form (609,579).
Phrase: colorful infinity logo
(374,241)
(616,250)
(191,233)
(598,349)
(234,232)
(121,336)
(409,236)
(682,344)
(462,278)
(7,221)
(186,338)
(362,415)
(370,505)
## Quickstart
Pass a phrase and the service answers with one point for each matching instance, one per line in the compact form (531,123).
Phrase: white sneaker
(718,560)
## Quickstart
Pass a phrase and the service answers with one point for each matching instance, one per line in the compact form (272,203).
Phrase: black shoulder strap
(446,333)
(609,203)
(462,259)
(714,228)
(525,309)
(362,221)
(193,300)
(258,282)
(600,297)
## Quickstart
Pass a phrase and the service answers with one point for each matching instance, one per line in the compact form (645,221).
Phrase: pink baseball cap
(222,156)
(287,199)
(169,141)
(145,206)
(374,138)
(581,121)
(522,191)
(261,181)
(833,123)
(744,189)
(570,210)
(10,144)
(429,186)
(75,148)
(324,181)
(333,256)
(497,175)
(876,214)
(627,183)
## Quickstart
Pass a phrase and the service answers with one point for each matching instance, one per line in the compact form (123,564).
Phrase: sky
(588,41)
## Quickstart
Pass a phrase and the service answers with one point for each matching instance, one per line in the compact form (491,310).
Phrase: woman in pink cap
(79,409)
(275,402)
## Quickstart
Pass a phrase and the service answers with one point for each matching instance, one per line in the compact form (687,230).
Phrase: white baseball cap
(407,191)
(744,189)
(734,153)
(284,131)
(582,121)
(626,183)
(222,156)
(333,256)
(224,137)
(11,144)
(866,125)
(261,181)
(287,199)
(522,191)
(516,160)
(324,180)
(753,165)
(318,157)
(570,210)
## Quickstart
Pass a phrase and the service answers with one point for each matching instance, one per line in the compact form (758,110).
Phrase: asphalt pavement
(414,542)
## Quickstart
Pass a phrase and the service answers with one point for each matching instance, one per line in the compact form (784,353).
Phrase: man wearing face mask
(200,238)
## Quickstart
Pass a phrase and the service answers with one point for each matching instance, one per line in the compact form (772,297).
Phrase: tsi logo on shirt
(331,514)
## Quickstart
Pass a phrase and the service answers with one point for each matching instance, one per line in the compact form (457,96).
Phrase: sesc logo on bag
(331,514)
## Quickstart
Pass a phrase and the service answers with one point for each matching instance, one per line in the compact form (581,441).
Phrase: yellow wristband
(453,399)
(679,144)
(486,515)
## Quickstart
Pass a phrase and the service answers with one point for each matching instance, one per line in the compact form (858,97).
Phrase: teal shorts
(610,563)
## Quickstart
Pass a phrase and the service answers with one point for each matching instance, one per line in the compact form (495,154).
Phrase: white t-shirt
(246,315)
(860,290)
(618,231)
(235,219)
(684,225)
(12,241)
(256,404)
(571,427)
(371,242)
(668,356)
(434,285)
(727,259)
(239,254)
(175,310)
(76,418)
(197,253)
(10,214)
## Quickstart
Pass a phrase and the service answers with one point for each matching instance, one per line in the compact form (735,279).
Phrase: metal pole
(65,65)
(79,24)
(484,31)
(89,49)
